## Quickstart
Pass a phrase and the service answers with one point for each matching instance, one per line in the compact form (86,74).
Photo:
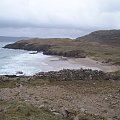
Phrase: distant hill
(110,37)
(9,39)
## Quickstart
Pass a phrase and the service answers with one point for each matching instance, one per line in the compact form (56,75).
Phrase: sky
(57,18)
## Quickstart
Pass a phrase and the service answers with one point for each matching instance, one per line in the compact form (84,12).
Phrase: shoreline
(67,54)
(84,63)
(57,63)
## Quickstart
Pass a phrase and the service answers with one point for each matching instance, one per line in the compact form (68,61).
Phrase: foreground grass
(23,111)
(17,82)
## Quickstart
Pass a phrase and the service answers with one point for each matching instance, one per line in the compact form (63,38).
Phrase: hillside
(110,37)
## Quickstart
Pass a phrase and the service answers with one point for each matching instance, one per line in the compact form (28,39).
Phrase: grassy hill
(110,37)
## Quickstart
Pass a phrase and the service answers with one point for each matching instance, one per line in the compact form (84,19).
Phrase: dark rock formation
(72,53)
(27,46)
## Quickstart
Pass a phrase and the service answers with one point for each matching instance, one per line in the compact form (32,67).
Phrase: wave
(23,62)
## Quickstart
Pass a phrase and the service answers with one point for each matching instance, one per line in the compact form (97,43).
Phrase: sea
(16,61)
(21,62)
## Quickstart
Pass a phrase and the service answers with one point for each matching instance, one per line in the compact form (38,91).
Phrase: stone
(19,72)
(58,115)
(41,106)
(83,110)
(65,113)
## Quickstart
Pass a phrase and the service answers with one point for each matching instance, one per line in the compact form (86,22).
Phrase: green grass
(8,84)
(92,49)
(16,82)
(23,111)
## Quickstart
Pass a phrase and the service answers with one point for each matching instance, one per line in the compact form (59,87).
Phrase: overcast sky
(65,18)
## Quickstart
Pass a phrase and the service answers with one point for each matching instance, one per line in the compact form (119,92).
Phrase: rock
(10,76)
(94,83)
(83,110)
(34,52)
(58,115)
(19,73)
(67,74)
(52,110)
(106,99)
(65,113)
(1,110)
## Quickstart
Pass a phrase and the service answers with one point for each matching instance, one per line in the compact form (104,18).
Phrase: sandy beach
(96,64)
(56,63)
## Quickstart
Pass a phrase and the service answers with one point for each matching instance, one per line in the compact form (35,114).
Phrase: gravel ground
(94,97)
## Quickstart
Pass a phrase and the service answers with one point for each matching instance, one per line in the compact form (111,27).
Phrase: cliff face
(110,37)
(26,46)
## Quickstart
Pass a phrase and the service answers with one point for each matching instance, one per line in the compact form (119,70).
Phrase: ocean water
(12,61)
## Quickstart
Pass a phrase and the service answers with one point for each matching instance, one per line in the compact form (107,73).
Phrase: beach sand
(56,63)
(88,62)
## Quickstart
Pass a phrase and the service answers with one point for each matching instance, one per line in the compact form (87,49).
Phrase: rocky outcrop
(67,74)
(71,53)
(27,46)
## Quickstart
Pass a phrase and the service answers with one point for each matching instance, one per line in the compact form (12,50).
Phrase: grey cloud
(110,6)
(86,15)
(43,32)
